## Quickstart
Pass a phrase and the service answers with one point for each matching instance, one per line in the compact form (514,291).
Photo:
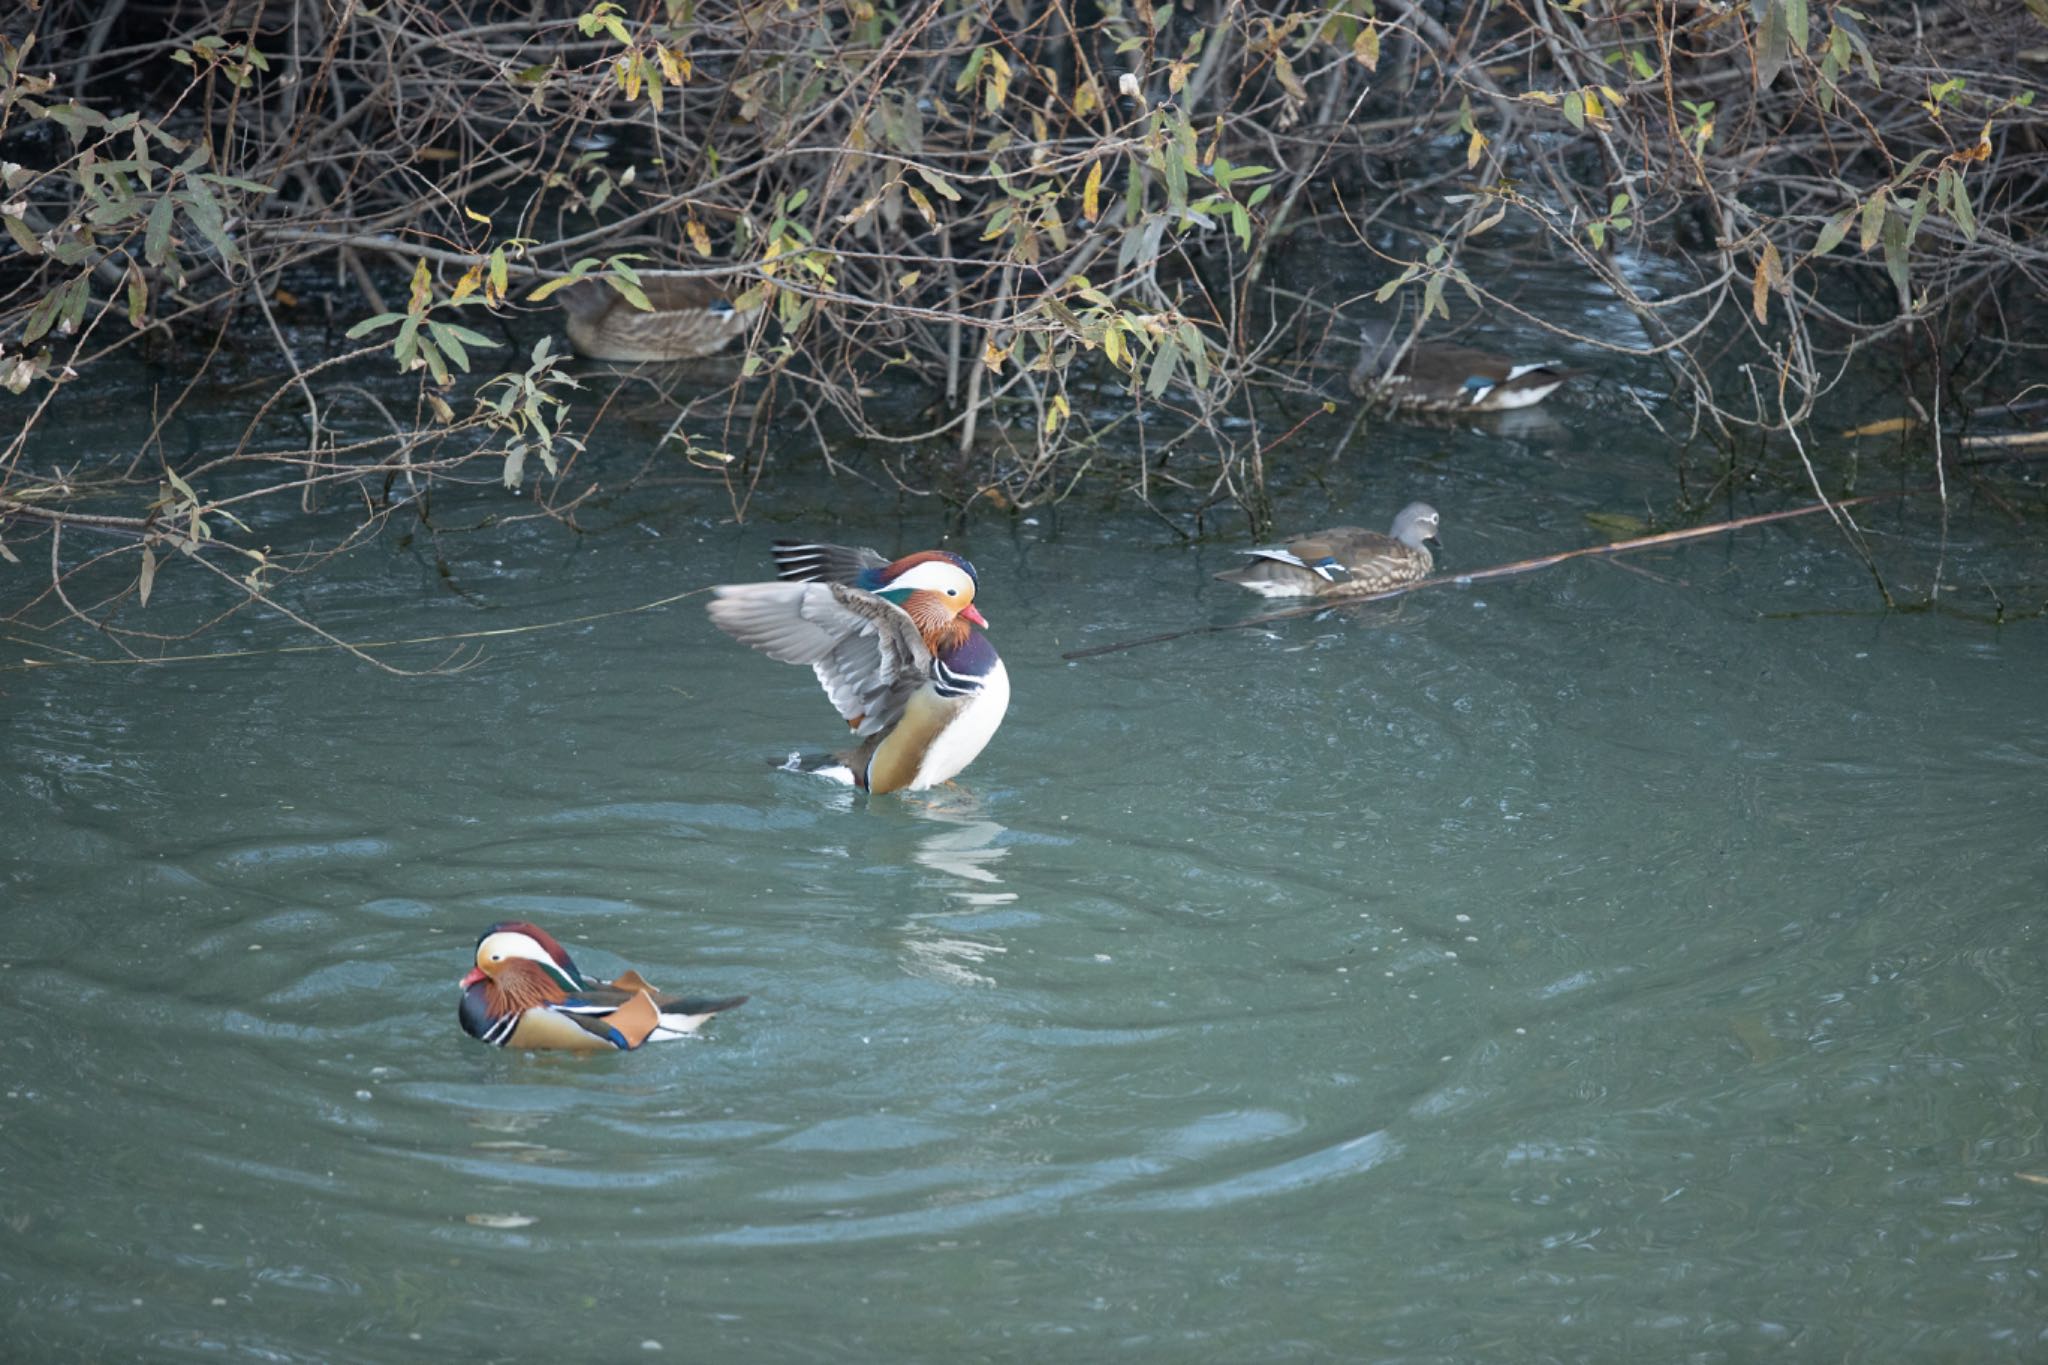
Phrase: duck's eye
(952,592)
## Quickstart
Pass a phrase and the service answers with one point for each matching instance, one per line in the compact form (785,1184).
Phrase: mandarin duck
(524,991)
(1451,379)
(1346,561)
(689,318)
(895,646)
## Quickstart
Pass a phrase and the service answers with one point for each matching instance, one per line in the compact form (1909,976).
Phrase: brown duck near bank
(1345,561)
(690,318)
(1431,378)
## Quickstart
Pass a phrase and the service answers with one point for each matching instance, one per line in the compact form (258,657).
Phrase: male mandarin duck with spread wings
(895,646)
(525,992)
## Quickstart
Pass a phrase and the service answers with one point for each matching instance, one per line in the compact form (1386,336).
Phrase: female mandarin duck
(894,644)
(1446,378)
(1346,561)
(525,992)
(689,318)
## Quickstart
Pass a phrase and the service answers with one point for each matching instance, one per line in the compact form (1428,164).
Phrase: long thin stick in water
(1520,566)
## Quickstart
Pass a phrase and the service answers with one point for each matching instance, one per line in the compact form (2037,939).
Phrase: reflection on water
(962,852)
(1578,951)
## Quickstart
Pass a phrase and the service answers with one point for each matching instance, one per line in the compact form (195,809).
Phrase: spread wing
(865,650)
(817,562)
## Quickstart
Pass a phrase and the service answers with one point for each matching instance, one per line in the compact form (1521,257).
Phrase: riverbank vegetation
(992,253)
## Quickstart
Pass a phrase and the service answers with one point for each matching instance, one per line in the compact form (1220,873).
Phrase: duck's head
(1416,526)
(518,948)
(929,583)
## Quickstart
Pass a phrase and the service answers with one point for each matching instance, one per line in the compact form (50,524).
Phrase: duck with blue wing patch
(1447,379)
(1345,561)
(893,643)
(524,991)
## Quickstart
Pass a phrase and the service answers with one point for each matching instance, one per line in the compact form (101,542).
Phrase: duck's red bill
(476,974)
(971,614)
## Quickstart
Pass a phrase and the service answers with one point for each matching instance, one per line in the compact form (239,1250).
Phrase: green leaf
(970,71)
(1796,27)
(246,186)
(41,317)
(1966,218)
(470,338)
(76,295)
(205,214)
(430,353)
(23,238)
(1161,373)
(369,325)
(1895,241)
(76,119)
(1873,221)
(408,342)
(937,182)
(1833,231)
(1575,109)
(156,238)
(1919,214)
(1773,40)
(629,291)
(450,343)
(1190,338)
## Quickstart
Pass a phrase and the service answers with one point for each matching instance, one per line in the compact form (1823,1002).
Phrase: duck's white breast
(1506,399)
(969,732)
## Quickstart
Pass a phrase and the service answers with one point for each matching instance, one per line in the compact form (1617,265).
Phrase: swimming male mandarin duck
(525,992)
(1434,378)
(1346,561)
(894,644)
(688,318)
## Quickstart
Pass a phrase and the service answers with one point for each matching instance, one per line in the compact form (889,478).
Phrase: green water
(1594,965)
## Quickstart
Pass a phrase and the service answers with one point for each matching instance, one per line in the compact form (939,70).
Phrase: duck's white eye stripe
(931,577)
(503,945)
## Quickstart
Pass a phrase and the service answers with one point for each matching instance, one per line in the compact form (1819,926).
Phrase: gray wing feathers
(866,651)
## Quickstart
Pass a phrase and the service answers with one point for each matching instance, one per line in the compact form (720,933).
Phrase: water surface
(1615,963)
